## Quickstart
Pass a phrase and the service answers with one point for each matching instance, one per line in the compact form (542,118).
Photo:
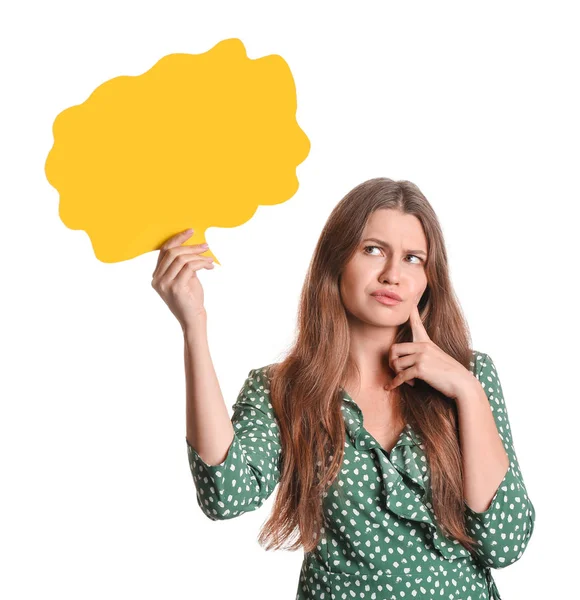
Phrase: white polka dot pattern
(380,539)
(250,471)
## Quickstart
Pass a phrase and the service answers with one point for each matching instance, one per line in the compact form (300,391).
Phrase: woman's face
(396,263)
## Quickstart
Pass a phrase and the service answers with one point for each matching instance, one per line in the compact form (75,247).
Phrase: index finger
(417,328)
(177,239)
(173,241)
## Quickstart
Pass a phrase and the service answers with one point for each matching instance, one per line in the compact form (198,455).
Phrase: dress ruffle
(405,473)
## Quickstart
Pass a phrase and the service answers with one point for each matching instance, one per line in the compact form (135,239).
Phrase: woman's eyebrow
(383,243)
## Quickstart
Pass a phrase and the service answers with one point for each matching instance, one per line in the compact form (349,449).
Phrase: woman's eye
(413,255)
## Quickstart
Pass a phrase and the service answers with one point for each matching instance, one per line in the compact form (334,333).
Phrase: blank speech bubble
(198,140)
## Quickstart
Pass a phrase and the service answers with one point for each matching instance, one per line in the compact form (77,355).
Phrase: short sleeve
(502,532)
(250,471)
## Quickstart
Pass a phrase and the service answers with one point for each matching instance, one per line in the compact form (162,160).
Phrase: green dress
(380,539)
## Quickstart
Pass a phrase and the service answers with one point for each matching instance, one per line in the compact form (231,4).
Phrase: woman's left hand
(422,358)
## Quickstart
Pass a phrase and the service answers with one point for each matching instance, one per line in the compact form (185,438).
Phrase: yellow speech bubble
(198,140)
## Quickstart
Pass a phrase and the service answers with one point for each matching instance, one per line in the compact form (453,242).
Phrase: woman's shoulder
(478,360)
(264,373)
(255,392)
(258,381)
(257,378)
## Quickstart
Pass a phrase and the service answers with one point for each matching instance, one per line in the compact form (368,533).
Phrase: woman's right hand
(175,277)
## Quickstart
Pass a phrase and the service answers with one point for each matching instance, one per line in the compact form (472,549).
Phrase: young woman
(387,434)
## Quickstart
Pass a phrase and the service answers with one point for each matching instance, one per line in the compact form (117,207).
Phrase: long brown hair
(304,387)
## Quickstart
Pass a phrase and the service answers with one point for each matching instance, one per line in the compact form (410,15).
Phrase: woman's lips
(386,300)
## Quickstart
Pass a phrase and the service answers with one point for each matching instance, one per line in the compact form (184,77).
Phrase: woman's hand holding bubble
(175,278)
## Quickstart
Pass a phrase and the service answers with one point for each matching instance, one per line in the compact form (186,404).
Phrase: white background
(477,105)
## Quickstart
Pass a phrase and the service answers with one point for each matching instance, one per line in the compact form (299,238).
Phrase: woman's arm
(208,426)
(504,528)
(485,460)
(240,465)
